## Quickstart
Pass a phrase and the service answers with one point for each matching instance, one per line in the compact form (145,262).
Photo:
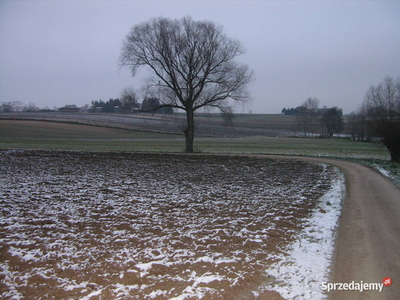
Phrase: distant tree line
(109,106)
(377,117)
(129,104)
(290,111)
(300,109)
(312,120)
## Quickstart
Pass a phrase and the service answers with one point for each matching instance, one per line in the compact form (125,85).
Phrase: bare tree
(352,125)
(308,116)
(312,105)
(129,99)
(193,65)
(357,125)
(382,104)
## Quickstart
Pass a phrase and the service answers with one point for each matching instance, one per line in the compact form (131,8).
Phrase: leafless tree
(192,63)
(129,99)
(312,105)
(382,103)
(357,125)
(307,117)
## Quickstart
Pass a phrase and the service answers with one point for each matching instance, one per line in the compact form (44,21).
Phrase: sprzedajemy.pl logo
(356,286)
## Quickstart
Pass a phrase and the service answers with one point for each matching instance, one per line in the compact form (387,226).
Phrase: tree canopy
(332,121)
(193,65)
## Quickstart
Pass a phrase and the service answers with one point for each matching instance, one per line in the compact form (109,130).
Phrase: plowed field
(149,226)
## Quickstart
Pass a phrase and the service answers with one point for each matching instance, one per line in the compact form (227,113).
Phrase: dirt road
(368,244)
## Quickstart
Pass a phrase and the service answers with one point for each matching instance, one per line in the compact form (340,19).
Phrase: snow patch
(300,272)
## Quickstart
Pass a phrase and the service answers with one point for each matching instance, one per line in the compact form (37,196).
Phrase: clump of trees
(108,106)
(128,103)
(152,104)
(332,121)
(312,120)
(193,65)
(379,115)
(357,125)
(129,100)
(307,116)
(290,111)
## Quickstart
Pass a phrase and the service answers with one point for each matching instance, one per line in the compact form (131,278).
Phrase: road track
(367,247)
(368,242)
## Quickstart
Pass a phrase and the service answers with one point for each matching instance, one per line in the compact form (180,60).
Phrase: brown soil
(136,226)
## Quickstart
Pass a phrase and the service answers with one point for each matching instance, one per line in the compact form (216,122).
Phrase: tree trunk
(393,145)
(189,131)
(389,131)
(395,153)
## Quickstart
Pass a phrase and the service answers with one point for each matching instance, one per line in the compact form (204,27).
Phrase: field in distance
(32,134)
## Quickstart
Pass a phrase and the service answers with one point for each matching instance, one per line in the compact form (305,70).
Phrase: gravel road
(368,243)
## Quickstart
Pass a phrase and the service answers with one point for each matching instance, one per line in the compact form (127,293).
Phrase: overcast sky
(59,52)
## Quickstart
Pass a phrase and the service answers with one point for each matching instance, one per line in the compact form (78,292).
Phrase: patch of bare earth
(147,226)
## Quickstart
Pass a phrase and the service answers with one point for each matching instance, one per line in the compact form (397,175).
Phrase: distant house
(69,108)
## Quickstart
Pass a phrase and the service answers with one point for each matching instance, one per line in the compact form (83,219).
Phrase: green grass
(21,134)
(342,148)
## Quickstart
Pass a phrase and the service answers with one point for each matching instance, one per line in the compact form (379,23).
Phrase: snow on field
(136,226)
(305,266)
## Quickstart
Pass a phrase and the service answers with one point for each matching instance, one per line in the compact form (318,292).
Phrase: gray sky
(54,53)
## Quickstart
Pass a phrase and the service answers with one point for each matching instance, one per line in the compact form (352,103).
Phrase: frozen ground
(390,170)
(135,226)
